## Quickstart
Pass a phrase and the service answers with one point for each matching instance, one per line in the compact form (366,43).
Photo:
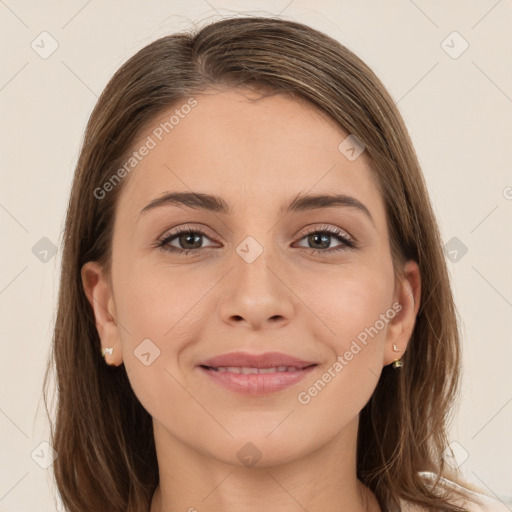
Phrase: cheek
(356,304)
(158,310)
(155,301)
(357,309)
(162,311)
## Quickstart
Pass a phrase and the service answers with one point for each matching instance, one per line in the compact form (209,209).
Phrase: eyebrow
(216,204)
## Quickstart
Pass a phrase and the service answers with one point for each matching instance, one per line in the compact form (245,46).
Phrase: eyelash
(347,243)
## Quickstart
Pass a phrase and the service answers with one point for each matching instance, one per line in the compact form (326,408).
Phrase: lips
(248,370)
(256,374)
(267,360)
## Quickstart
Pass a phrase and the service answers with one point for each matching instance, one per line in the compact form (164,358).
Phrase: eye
(189,239)
(322,236)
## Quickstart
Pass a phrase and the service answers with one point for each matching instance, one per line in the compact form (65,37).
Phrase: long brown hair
(102,434)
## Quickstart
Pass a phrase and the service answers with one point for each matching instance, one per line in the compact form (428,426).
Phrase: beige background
(459,113)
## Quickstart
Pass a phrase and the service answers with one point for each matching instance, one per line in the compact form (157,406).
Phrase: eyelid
(178,230)
(330,229)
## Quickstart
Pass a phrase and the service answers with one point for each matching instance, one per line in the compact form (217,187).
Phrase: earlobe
(401,327)
(98,290)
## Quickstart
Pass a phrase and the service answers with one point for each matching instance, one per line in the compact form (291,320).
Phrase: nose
(257,293)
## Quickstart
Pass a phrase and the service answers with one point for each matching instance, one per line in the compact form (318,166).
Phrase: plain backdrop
(446,64)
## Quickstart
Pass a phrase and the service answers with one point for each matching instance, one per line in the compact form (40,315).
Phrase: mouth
(251,370)
(246,360)
(246,380)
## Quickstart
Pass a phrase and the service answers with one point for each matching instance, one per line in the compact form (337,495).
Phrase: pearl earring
(108,350)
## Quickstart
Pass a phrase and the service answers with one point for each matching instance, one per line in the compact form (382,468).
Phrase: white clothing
(481,502)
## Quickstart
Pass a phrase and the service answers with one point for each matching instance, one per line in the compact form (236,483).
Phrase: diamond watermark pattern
(351,147)
(44,45)
(147,352)
(455,455)
(44,250)
(455,250)
(249,455)
(44,455)
(454,45)
(249,249)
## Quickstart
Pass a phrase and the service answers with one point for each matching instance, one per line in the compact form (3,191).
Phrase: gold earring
(396,363)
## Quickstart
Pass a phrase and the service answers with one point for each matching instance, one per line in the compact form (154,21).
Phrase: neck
(322,480)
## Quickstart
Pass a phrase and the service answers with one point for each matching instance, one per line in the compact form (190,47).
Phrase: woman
(251,247)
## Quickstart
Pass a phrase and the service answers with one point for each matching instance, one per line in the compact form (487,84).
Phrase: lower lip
(257,383)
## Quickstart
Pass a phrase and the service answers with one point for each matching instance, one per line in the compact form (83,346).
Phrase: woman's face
(260,274)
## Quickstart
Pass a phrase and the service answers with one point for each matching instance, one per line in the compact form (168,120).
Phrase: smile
(256,381)
(248,370)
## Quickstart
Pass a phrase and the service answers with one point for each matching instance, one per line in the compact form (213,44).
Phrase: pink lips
(256,383)
(265,360)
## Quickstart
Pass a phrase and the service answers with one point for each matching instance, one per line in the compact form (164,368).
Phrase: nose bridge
(256,291)
(255,261)
(258,244)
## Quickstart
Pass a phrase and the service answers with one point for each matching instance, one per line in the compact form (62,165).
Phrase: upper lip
(247,360)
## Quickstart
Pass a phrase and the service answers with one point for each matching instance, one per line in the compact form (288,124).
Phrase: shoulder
(463,496)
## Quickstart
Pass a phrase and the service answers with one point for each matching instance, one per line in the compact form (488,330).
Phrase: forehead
(246,147)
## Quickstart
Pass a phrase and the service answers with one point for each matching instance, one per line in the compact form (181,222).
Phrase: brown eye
(320,239)
(187,239)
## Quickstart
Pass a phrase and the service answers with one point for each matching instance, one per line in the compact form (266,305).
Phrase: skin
(257,154)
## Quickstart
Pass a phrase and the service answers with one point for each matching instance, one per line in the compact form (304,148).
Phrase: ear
(98,290)
(400,328)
